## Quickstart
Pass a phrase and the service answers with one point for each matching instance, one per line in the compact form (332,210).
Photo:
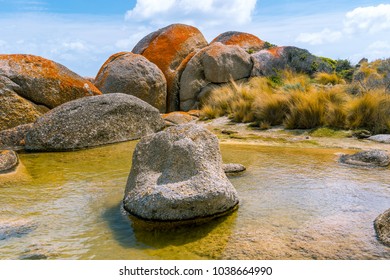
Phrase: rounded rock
(382,227)
(168,47)
(372,158)
(212,66)
(177,175)
(93,121)
(133,74)
(250,43)
(8,161)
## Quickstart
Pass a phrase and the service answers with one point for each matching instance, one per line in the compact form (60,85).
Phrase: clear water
(294,204)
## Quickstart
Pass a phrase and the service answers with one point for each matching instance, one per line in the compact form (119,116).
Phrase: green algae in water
(294,204)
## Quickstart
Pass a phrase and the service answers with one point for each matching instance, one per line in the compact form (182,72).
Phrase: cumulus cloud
(214,12)
(368,19)
(319,38)
(372,20)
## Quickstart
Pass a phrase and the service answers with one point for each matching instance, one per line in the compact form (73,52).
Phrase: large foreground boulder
(8,161)
(372,158)
(248,42)
(167,48)
(133,74)
(177,175)
(382,227)
(93,121)
(31,85)
(213,65)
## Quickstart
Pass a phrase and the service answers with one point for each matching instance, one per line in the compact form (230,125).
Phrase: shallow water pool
(294,204)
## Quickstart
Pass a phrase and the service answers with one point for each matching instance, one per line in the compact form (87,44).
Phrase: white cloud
(368,19)
(379,45)
(197,12)
(319,38)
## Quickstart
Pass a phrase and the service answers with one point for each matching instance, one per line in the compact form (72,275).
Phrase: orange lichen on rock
(276,51)
(167,48)
(247,41)
(43,81)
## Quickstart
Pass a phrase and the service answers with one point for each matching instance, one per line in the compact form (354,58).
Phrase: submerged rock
(372,158)
(94,121)
(233,168)
(135,75)
(382,227)
(15,228)
(177,175)
(8,161)
(381,138)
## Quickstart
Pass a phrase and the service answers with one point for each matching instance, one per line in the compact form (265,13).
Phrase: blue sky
(82,34)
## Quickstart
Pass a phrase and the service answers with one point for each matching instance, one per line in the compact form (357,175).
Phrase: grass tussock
(370,111)
(298,102)
(328,79)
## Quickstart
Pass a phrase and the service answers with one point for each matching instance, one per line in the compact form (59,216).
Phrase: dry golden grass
(326,79)
(298,104)
(370,111)
(271,108)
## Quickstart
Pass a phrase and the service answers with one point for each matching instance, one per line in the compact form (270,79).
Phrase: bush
(271,109)
(370,111)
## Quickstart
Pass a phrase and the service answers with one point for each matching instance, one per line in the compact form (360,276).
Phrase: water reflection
(294,204)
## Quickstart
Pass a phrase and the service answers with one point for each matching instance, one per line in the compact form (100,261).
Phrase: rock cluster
(177,175)
(31,85)
(192,67)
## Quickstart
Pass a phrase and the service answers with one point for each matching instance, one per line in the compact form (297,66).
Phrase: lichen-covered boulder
(133,74)
(8,161)
(93,121)
(167,48)
(177,175)
(248,42)
(382,227)
(211,66)
(269,62)
(31,85)
(372,158)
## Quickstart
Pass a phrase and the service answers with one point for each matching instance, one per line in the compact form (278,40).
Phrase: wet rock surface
(382,227)
(372,158)
(8,161)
